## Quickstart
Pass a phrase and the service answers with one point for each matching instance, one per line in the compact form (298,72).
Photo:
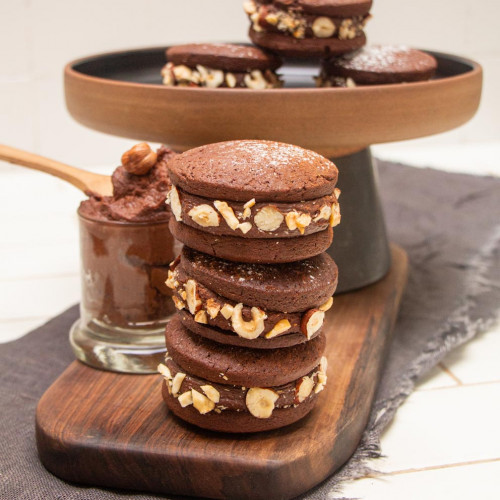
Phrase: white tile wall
(39,36)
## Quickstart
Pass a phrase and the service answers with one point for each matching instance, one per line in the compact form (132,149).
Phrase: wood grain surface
(113,430)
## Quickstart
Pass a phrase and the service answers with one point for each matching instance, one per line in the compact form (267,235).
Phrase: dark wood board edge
(92,459)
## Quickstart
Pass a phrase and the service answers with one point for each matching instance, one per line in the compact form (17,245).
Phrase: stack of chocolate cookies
(252,284)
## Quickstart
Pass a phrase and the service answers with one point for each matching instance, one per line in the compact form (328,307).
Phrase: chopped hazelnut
(296,220)
(163,370)
(204,215)
(177,382)
(201,402)
(244,227)
(247,208)
(178,303)
(201,317)
(186,399)
(324,213)
(211,392)
(212,78)
(227,212)
(268,218)
(323,27)
(212,308)
(311,322)
(170,279)
(230,80)
(174,201)
(327,305)
(248,329)
(227,311)
(192,299)
(280,327)
(249,7)
(335,217)
(255,80)
(303,389)
(260,402)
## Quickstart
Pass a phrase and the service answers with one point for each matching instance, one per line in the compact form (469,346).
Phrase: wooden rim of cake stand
(120,93)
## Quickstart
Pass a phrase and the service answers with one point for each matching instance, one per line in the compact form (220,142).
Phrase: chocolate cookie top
(231,365)
(379,64)
(291,287)
(333,8)
(228,57)
(263,170)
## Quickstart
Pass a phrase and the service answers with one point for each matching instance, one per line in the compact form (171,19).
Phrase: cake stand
(121,94)
(113,430)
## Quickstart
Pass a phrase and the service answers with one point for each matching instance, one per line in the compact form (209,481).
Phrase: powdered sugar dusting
(241,170)
(269,157)
(379,58)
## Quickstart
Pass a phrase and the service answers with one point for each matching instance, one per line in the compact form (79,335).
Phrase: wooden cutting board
(113,430)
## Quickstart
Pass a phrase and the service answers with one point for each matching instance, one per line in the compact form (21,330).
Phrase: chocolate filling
(299,24)
(233,397)
(201,76)
(278,220)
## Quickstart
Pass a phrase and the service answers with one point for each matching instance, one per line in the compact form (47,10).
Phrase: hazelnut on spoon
(139,159)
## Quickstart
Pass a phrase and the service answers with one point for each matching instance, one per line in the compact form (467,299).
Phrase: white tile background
(39,36)
(444,442)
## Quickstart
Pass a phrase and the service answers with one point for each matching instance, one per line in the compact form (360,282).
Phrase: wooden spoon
(82,179)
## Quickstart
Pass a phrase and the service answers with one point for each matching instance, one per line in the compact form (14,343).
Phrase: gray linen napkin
(450,226)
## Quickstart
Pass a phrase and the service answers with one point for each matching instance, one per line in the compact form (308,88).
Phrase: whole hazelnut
(139,160)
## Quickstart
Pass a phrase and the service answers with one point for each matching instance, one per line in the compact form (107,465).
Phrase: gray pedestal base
(360,246)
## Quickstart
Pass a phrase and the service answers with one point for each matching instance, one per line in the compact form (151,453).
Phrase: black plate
(144,66)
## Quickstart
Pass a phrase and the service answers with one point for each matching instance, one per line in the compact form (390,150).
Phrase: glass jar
(125,303)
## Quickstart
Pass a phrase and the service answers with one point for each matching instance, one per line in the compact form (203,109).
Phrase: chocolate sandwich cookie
(234,389)
(376,65)
(221,65)
(257,306)
(308,28)
(254,191)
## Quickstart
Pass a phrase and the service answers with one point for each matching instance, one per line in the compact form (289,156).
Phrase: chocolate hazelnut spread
(136,198)
(126,247)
